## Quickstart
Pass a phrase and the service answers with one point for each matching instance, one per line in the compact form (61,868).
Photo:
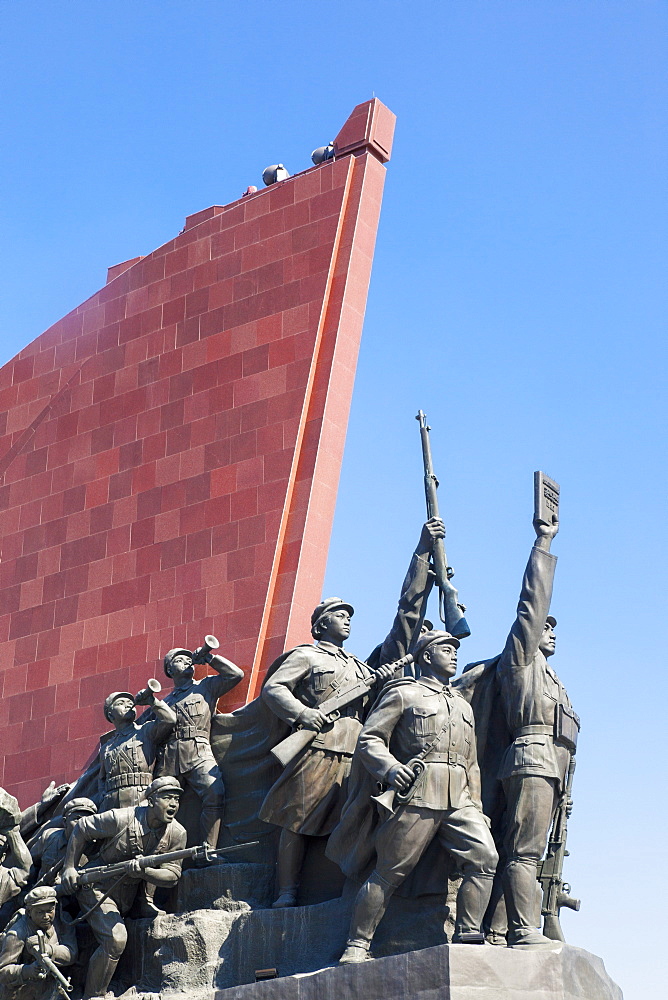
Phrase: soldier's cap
(328,605)
(83,806)
(427,625)
(114,696)
(551,621)
(163,784)
(436,635)
(42,895)
(167,662)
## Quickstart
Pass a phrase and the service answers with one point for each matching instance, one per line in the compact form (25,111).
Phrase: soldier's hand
(313,718)
(400,777)
(68,879)
(384,673)
(545,530)
(32,972)
(432,531)
(569,808)
(135,868)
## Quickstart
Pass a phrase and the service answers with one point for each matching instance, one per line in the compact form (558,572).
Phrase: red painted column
(170,454)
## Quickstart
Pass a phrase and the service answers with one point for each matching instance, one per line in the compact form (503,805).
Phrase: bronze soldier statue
(419,741)
(15,860)
(187,754)
(307,798)
(48,850)
(543,730)
(34,949)
(127,757)
(124,834)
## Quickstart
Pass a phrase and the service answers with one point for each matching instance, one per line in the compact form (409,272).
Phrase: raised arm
(415,591)
(534,603)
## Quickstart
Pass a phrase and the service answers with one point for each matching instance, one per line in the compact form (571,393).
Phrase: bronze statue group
(391,759)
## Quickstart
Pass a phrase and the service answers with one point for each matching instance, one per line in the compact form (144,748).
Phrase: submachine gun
(48,967)
(450,612)
(556,892)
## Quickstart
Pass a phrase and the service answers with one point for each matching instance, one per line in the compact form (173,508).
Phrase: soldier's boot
(291,848)
(519,883)
(101,968)
(146,902)
(370,905)
(495,924)
(472,900)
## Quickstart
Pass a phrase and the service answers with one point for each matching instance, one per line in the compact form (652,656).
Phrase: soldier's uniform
(425,720)
(127,761)
(187,755)
(308,797)
(124,834)
(410,717)
(539,715)
(18,945)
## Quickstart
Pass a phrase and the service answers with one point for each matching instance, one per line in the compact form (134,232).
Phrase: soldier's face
(440,660)
(72,820)
(43,915)
(181,667)
(337,627)
(548,640)
(123,710)
(166,805)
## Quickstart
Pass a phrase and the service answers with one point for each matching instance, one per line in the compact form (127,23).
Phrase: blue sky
(518,297)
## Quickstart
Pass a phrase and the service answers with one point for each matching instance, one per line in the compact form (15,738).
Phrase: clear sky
(518,297)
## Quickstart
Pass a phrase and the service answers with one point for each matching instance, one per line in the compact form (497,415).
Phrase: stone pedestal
(448,972)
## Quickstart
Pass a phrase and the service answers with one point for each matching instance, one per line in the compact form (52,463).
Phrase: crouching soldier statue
(125,835)
(35,948)
(419,741)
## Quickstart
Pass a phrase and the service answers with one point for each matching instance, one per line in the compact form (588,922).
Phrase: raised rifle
(556,892)
(102,873)
(49,968)
(288,748)
(449,611)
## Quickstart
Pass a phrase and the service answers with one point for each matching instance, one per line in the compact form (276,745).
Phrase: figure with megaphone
(187,755)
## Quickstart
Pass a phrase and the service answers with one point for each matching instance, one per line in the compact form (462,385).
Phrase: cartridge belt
(129,779)
(189,733)
(447,757)
(534,731)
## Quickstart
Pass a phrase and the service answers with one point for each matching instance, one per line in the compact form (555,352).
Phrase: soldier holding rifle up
(124,834)
(34,949)
(188,755)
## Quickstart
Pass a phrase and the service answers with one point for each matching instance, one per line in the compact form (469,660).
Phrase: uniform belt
(189,733)
(447,757)
(130,779)
(534,731)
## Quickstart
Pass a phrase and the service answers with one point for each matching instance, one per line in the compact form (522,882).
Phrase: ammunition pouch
(566,728)
(129,779)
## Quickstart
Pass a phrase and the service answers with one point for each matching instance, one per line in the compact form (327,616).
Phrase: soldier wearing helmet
(307,798)
(49,847)
(128,754)
(187,754)
(123,835)
(419,741)
(39,928)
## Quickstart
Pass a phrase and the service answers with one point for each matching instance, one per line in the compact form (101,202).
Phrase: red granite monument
(170,454)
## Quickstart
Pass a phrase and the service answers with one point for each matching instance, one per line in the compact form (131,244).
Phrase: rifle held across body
(102,873)
(287,749)
(556,892)
(49,968)
(450,613)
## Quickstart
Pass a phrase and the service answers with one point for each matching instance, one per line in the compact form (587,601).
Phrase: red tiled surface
(170,453)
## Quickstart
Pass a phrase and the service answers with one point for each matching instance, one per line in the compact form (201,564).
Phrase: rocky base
(226,931)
